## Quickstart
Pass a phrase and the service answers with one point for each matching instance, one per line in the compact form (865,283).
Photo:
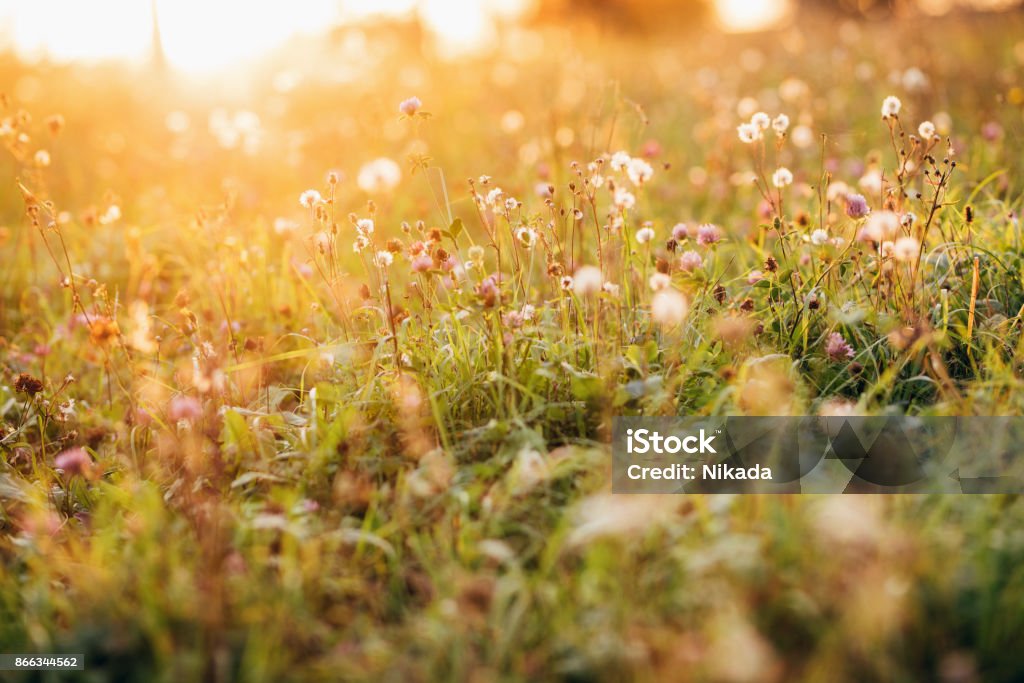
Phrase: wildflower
(690,261)
(619,161)
(103,330)
(639,171)
(184,408)
(891,107)
(384,258)
(566,283)
(782,177)
(112,214)
(310,198)
(669,307)
(680,232)
(659,281)
(527,237)
(512,204)
(748,133)
(529,312)
(74,461)
(422,263)
(410,106)
(819,237)
(42,158)
(908,219)
(379,175)
(283,226)
(623,199)
(880,226)
(926,130)
(906,249)
(493,197)
(644,235)
(761,120)
(587,281)
(780,124)
(610,288)
(754,276)
(365,226)
(708,234)
(513,319)
(27,384)
(837,349)
(361,242)
(488,291)
(544,190)
(856,206)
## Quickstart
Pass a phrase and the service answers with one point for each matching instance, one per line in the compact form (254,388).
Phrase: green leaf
(456,228)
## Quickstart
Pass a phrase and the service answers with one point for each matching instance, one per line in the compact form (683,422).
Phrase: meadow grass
(285,397)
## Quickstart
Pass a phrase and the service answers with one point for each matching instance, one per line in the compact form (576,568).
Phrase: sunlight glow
(750,15)
(210,35)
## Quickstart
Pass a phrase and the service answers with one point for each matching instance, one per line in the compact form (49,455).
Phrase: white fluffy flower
(780,124)
(385,258)
(926,130)
(619,161)
(659,281)
(891,106)
(761,120)
(669,307)
(364,226)
(527,237)
(639,171)
(310,198)
(906,249)
(379,175)
(881,226)
(782,177)
(819,237)
(644,235)
(623,198)
(748,133)
(587,281)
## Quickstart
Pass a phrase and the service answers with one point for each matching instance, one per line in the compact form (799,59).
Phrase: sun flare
(206,36)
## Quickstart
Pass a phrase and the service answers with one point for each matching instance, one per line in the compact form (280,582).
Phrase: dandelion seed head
(644,235)
(659,281)
(782,177)
(310,198)
(761,120)
(906,249)
(379,175)
(669,307)
(819,237)
(748,133)
(639,171)
(587,281)
(891,106)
